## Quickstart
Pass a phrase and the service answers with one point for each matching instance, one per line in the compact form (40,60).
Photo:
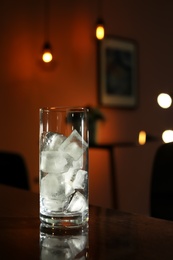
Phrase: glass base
(64,221)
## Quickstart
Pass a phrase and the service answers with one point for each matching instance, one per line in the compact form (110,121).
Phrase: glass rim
(65,108)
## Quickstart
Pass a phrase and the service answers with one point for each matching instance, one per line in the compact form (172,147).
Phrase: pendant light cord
(46,20)
(100,7)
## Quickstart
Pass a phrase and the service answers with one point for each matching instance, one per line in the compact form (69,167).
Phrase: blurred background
(27,84)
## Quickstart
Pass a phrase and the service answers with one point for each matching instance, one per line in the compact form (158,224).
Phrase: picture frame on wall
(117,72)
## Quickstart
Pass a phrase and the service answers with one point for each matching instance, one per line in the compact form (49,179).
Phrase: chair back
(161,200)
(13,170)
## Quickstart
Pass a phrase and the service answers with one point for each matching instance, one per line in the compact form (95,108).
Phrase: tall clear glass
(63,167)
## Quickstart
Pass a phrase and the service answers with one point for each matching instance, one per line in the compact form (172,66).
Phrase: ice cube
(52,186)
(78,164)
(79,181)
(70,174)
(54,162)
(69,177)
(69,190)
(51,205)
(53,141)
(78,203)
(52,190)
(74,145)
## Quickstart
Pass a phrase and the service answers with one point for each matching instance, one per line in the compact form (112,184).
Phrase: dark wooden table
(112,234)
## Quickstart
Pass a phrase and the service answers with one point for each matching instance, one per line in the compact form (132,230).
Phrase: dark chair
(162,183)
(13,170)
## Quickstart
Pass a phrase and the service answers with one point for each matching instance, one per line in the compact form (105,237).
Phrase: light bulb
(100,31)
(142,137)
(164,100)
(167,136)
(47,55)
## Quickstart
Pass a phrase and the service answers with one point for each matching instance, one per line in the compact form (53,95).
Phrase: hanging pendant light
(47,53)
(100,28)
(47,56)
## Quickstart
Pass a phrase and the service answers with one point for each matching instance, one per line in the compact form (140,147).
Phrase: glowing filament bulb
(47,56)
(100,32)
(142,137)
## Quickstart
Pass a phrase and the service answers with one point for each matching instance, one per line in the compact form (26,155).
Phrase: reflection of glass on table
(63,244)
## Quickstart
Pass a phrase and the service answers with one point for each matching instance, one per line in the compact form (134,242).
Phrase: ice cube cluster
(63,185)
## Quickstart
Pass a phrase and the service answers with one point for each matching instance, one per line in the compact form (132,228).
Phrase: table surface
(112,234)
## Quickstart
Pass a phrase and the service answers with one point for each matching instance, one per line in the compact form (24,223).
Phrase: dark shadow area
(162,183)
(13,170)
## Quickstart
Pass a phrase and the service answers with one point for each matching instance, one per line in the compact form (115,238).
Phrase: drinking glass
(63,167)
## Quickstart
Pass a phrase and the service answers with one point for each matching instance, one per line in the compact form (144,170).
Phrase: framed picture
(117,72)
